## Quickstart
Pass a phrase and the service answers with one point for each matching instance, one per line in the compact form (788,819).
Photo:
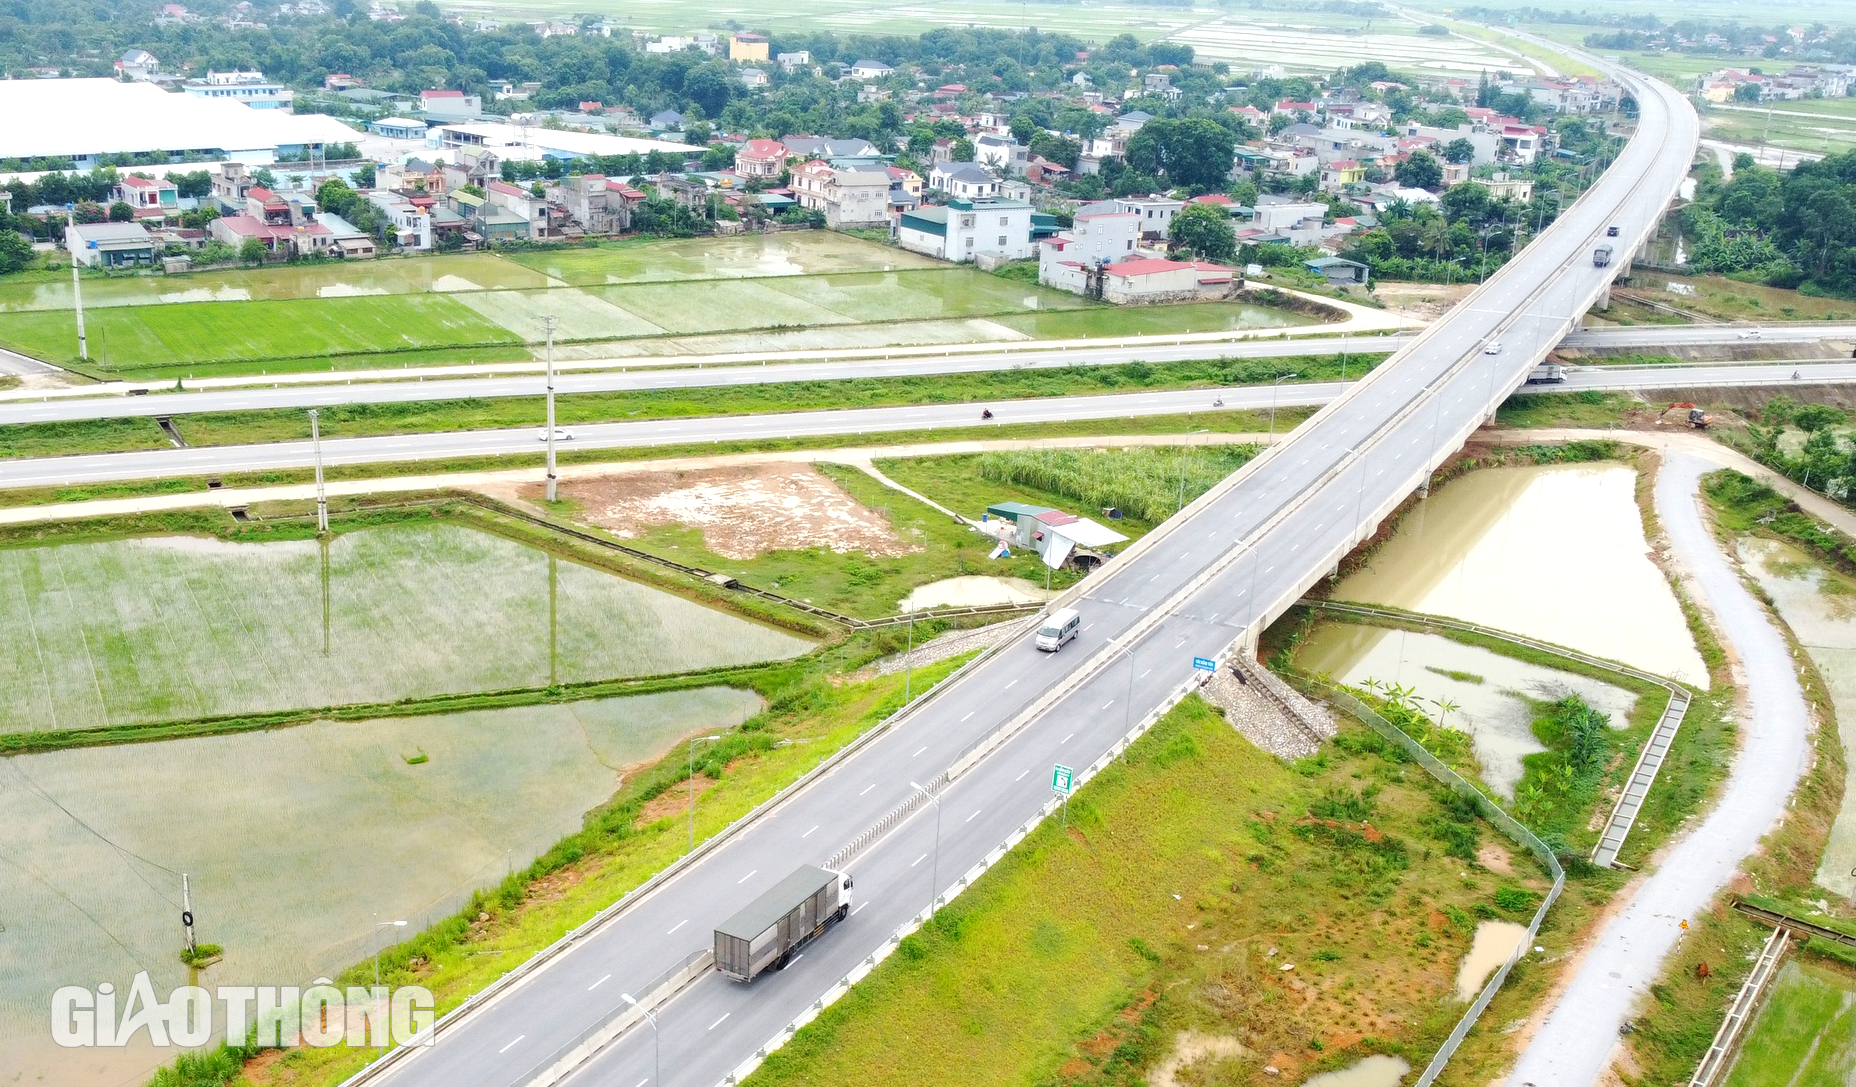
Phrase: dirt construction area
(742,511)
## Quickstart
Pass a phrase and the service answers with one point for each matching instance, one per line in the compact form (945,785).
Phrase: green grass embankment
(1220,422)
(624,842)
(1687,1005)
(1190,876)
(367,420)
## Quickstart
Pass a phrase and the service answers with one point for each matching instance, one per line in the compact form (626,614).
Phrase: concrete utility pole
(186,911)
(548,323)
(1274,385)
(77,290)
(322,497)
(694,740)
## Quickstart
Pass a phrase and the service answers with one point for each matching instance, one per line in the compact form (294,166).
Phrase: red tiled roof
(1212,198)
(764,149)
(1147,266)
(133,182)
(261,193)
(441,94)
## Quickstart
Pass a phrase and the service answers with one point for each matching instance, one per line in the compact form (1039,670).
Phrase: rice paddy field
(1089,20)
(166,628)
(295,841)
(1805,1035)
(784,291)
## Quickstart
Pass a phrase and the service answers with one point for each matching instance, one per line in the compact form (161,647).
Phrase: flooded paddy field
(403,275)
(1554,552)
(166,628)
(1495,696)
(764,292)
(797,253)
(295,842)
(1819,606)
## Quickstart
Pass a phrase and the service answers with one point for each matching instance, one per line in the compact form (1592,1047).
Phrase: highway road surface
(1196,586)
(218,460)
(301,396)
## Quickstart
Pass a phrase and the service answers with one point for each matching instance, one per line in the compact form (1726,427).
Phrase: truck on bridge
(1601,257)
(769,930)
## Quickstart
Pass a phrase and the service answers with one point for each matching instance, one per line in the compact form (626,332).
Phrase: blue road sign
(1205,664)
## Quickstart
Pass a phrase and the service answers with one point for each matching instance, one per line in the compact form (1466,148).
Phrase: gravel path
(954,643)
(1576,1044)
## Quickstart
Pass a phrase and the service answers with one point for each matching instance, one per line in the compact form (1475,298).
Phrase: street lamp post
(657,1053)
(934,876)
(694,740)
(1274,386)
(378,925)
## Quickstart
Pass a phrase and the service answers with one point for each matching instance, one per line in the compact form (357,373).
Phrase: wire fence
(1489,810)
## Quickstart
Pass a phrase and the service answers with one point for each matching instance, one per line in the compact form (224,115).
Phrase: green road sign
(1062,778)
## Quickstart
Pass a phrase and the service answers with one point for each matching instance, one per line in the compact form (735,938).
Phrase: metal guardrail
(966,879)
(1489,810)
(453,1018)
(555,1066)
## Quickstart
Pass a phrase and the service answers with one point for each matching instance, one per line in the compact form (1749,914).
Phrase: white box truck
(766,933)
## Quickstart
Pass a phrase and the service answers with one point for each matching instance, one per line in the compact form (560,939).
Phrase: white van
(1059,627)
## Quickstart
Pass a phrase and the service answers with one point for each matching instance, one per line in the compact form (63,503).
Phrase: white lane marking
(745,878)
(683,922)
(969,714)
(797,957)
(1107,704)
(718,1022)
(1021,777)
(1086,626)
(1145,674)
(860,906)
(808,833)
(976,811)
(918,860)
(598,983)
(1066,739)
(644,1081)
(924,747)
(1008,686)
(511,1045)
(867,788)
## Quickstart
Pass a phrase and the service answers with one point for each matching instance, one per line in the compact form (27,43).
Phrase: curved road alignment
(1293,508)
(1579,1038)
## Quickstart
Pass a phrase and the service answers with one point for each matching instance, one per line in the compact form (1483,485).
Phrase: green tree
(121,212)
(251,251)
(1747,92)
(1459,151)
(1420,171)
(15,251)
(1193,153)
(962,150)
(1204,229)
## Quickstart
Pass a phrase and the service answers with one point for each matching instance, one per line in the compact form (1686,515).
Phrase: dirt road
(1578,1041)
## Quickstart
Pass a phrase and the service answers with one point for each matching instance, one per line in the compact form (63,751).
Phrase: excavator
(1696,417)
